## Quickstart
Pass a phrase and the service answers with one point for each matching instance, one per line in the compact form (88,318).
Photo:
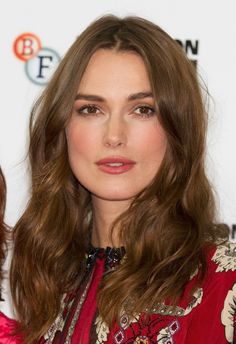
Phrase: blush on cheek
(82,142)
(155,140)
(74,135)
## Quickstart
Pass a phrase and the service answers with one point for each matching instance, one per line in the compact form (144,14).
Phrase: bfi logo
(40,62)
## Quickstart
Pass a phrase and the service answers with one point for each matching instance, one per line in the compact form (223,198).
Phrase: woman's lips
(117,165)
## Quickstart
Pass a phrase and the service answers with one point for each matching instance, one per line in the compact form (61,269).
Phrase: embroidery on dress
(119,336)
(77,312)
(197,299)
(126,320)
(102,330)
(195,272)
(141,340)
(228,314)
(59,323)
(176,310)
(225,257)
(56,326)
(166,334)
(145,330)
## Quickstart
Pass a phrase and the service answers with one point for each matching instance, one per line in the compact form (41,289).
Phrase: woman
(7,326)
(119,242)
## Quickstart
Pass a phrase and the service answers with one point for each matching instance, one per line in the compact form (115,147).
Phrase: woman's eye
(88,110)
(145,111)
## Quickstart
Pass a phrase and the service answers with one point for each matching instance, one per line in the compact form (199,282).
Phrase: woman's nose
(115,132)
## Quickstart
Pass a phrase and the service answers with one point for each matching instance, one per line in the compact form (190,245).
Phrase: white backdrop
(210,24)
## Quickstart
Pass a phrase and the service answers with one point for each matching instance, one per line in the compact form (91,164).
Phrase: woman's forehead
(113,71)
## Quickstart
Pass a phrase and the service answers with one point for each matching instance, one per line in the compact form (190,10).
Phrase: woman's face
(115,141)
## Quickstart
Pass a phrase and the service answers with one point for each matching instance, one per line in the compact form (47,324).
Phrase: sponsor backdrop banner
(36,35)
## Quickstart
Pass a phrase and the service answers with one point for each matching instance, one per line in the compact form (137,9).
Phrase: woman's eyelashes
(142,111)
(145,111)
(88,109)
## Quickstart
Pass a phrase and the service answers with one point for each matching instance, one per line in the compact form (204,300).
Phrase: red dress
(6,327)
(208,318)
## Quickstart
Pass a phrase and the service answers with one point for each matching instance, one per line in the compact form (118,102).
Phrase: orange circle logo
(26,46)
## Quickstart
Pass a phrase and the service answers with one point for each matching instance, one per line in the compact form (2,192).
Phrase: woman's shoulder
(221,261)
(7,327)
(215,300)
(220,278)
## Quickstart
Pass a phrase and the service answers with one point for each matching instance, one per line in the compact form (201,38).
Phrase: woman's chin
(114,196)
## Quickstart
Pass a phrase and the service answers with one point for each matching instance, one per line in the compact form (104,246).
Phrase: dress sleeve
(214,320)
(7,327)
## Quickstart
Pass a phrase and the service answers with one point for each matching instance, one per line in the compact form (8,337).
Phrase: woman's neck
(104,214)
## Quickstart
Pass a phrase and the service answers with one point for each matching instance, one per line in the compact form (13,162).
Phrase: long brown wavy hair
(3,229)
(168,225)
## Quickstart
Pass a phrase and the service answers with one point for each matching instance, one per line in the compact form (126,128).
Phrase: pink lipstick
(115,165)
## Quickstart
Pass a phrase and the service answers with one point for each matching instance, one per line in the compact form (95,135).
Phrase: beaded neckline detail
(111,255)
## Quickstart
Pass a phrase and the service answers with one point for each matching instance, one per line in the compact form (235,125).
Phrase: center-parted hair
(168,226)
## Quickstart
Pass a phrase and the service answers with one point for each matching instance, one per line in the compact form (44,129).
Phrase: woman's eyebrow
(96,98)
(92,97)
(140,95)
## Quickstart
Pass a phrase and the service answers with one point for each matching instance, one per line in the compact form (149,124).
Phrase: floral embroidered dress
(208,318)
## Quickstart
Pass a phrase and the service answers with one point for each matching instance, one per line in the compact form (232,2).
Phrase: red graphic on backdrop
(26,46)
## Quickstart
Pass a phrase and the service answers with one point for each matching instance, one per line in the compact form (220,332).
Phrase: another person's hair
(168,226)
(3,229)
